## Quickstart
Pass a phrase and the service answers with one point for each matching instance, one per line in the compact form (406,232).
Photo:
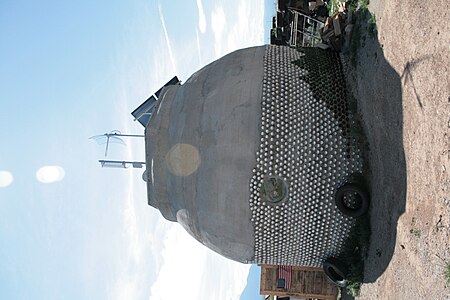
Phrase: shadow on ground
(377,88)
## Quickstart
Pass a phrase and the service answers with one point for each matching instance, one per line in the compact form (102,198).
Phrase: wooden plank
(301,280)
(306,268)
(297,295)
(307,282)
(271,281)
(262,282)
(318,283)
(313,288)
(268,279)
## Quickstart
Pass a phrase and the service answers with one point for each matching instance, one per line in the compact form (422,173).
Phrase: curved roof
(201,146)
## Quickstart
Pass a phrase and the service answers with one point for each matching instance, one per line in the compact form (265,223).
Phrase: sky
(70,229)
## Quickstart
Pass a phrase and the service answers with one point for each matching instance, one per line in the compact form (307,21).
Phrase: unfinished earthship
(254,154)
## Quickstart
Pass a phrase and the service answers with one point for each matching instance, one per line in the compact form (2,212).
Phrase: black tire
(362,198)
(336,271)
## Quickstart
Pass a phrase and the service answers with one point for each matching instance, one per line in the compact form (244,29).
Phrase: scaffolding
(304,30)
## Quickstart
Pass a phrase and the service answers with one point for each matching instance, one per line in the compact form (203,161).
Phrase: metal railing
(307,34)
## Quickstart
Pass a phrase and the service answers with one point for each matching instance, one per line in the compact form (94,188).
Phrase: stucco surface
(201,147)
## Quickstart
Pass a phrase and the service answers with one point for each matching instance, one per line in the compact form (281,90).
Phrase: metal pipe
(121,164)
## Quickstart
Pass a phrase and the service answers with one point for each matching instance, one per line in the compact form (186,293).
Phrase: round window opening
(274,190)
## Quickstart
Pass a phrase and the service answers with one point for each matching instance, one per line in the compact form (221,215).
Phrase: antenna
(113,137)
(122,164)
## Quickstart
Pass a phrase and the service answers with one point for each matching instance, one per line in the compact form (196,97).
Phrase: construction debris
(305,23)
(337,28)
(297,22)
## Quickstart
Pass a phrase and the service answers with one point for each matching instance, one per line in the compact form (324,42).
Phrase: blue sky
(69,71)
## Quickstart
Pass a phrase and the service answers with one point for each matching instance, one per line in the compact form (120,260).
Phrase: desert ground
(400,78)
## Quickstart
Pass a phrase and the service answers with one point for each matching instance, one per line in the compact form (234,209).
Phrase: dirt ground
(401,80)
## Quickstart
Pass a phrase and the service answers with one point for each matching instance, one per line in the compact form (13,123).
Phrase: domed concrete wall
(201,146)
(249,153)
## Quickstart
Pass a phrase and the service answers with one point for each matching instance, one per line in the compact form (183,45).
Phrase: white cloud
(199,51)
(218,22)
(193,268)
(233,30)
(229,283)
(248,30)
(182,261)
(133,269)
(6,178)
(138,254)
(201,17)
(166,35)
(50,174)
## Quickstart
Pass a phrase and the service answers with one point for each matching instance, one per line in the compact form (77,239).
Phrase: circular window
(274,190)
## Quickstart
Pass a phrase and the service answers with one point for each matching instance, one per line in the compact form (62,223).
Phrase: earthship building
(254,156)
